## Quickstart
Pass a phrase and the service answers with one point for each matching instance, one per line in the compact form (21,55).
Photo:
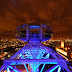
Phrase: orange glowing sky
(56,13)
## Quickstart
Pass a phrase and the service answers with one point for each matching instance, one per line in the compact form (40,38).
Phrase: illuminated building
(65,50)
(34,56)
(62,44)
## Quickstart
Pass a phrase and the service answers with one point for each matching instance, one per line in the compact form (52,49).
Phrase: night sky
(55,13)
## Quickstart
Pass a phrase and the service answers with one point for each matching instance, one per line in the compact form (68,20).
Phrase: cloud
(56,13)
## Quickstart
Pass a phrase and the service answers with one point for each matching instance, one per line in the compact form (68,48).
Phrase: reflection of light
(61,51)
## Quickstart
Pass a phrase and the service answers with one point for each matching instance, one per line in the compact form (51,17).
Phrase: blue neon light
(8,69)
(54,68)
(15,70)
(42,68)
(26,68)
(12,63)
(37,65)
(23,26)
(48,55)
(34,27)
(59,69)
(34,68)
(12,68)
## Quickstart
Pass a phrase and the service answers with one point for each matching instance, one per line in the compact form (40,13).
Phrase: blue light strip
(8,69)
(59,69)
(53,68)
(12,63)
(12,68)
(15,70)
(42,68)
(34,27)
(26,68)
(44,61)
(48,55)
(34,67)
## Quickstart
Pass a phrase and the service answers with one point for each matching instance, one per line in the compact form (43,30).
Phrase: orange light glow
(61,51)
(71,56)
(65,48)
(62,44)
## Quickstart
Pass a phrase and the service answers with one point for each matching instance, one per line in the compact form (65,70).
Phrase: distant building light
(65,48)
(71,56)
(68,48)
(5,52)
(62,44)
(61,51)
(9,55)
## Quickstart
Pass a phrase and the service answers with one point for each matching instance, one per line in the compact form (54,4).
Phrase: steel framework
(35,55)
